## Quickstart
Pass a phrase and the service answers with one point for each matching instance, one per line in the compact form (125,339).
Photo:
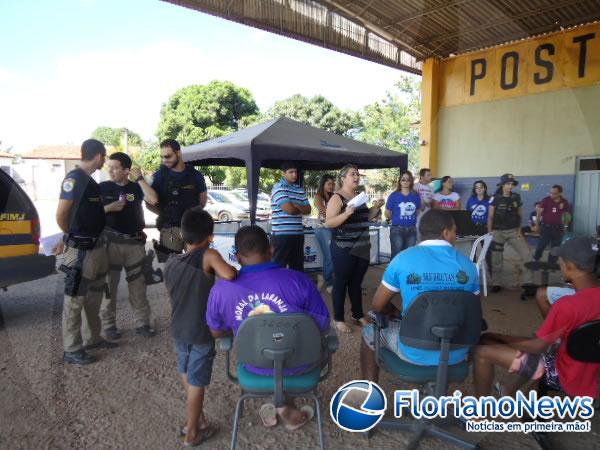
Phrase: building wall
(537,134)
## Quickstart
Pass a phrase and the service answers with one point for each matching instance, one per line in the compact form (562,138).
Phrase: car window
(218,197)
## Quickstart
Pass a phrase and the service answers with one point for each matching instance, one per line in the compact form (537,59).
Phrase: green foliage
(149,158)
(317,112)
(197,113)
(388,123)
(115,137)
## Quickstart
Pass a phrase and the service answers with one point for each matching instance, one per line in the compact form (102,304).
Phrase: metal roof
(402,33)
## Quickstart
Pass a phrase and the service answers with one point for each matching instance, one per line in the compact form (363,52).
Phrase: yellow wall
(562,60)
(489,123)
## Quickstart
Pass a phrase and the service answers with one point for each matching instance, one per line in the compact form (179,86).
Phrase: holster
(75,284)
(162,252)
(151,275)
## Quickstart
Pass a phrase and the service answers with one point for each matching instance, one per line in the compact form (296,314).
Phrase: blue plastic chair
(279,342)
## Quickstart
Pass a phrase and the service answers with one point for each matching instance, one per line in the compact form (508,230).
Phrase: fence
(310,192)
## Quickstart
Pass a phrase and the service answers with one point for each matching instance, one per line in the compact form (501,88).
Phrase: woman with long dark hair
(479,205)
(403,207)
(322,232)
(350,247)
(446,199)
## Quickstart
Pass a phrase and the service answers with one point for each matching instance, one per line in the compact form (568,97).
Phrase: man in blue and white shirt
(288,205)
(433,265)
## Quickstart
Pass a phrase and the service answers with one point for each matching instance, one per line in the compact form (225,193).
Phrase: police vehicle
(20,237)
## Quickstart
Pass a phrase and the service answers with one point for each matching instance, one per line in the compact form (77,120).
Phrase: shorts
(554,293)
(533,367)
(195,361)
(390,338)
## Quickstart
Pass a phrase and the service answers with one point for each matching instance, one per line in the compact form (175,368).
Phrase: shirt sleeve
(72,187)
(156,180)
(214,318)
(315,305)
(278,197)
(557,322)
(200,182)
(391,276)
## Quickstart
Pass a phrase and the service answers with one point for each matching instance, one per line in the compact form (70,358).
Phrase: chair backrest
(584,342)
(485,241)
(459,311)
(295,336)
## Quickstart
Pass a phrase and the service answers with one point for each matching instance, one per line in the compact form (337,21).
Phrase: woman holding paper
(348,217)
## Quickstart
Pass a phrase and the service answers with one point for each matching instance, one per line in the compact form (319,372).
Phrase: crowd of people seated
(203,309)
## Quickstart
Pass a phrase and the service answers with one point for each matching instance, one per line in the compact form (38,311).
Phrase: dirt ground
(132,398)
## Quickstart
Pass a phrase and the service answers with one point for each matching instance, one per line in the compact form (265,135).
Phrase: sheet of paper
(50,242)
(359,200)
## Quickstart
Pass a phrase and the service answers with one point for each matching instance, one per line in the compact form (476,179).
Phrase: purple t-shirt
(263,289)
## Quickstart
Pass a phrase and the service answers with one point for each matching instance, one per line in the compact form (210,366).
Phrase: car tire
(225,216)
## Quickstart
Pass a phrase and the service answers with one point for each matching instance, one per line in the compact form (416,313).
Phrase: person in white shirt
(424,188)
(446,199)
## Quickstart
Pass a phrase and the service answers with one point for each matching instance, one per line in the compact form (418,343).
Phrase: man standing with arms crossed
(125,233)
(80,215)
(423,187)
(288,204)
(179,188)
(552,217)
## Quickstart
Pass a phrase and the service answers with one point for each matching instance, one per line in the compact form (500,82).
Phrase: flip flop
(310,413)
(268,415)
(205,434)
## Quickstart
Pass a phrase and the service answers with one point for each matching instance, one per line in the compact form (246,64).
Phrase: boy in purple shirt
(263,287)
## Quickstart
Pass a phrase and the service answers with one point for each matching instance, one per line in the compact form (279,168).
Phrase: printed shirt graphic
(264,289)
(553,211)
(568,313)
(404,208)
(283,223)
(433,265)
(450,201)
(425,192)
(479,210)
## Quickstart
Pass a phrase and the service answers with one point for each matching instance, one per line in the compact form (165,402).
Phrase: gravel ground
(132,397)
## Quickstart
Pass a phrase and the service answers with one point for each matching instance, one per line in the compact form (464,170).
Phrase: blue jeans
(323,236)
(401,238)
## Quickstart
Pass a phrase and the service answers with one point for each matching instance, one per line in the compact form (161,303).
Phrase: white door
(586,216)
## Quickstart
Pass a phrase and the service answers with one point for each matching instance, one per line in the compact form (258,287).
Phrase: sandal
(268,415)
(310,413)
(342,327)
(205,433)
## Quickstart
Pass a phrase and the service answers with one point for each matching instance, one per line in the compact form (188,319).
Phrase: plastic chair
(485,242)
(440,320)
(278,342)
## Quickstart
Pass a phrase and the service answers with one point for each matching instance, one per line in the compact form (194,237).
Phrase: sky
(67,67)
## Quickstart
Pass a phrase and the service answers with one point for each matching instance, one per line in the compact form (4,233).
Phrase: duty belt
(81,242)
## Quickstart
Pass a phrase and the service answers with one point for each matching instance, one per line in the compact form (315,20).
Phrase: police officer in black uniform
(80,215)
(125,224)
(179,187)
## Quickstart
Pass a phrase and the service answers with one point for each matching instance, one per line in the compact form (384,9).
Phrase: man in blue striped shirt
(288,205)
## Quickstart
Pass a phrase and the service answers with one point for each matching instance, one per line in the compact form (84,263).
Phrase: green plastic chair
(279,342)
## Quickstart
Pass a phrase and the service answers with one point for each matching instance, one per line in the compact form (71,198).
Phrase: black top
(177,192)
(354,232)
(506,214)
(188,288)
(130,220)
(87,214)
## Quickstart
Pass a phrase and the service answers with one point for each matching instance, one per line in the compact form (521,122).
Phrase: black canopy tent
(271,143)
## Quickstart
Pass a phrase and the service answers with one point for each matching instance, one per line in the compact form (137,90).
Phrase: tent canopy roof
(271,143)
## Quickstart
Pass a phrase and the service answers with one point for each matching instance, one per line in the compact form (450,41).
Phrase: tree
(115,137)
(198,113)
(390,123)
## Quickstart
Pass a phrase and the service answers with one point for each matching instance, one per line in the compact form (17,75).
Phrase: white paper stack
(359,200)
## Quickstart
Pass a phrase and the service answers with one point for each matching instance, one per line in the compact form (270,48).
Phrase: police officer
(125,234)
(80,215)
(179,187)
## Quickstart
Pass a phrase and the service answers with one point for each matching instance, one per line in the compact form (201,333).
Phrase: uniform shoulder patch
(68,184)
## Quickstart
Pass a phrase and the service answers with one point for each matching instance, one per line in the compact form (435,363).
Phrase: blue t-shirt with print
(430,266)
(404,208)
(479,210)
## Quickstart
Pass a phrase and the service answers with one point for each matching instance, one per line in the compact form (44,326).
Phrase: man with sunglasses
(179,188)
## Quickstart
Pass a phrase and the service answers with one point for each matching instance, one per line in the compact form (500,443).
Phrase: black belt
(81,242)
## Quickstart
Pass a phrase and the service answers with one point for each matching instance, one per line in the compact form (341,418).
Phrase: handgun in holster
(162,252)
(151,275)
(75,284)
